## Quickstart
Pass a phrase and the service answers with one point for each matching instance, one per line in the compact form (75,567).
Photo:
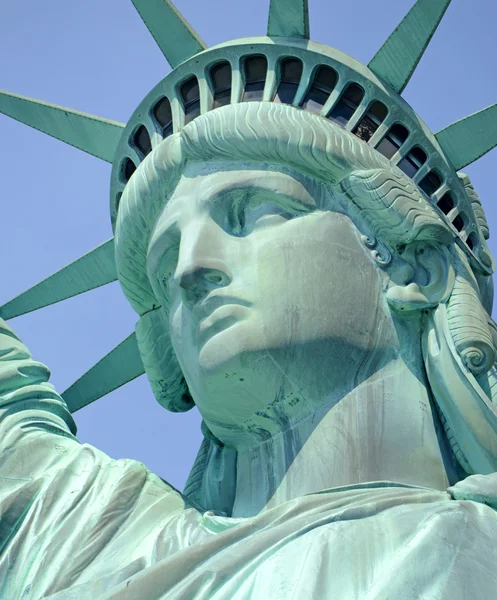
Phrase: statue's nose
(199,281)
(201,267)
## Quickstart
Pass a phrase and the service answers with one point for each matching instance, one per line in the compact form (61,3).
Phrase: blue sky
(98,57)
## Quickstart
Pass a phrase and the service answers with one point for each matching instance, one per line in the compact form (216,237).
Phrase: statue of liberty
(309,267)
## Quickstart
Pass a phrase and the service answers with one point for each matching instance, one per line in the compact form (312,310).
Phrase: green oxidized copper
(311,272)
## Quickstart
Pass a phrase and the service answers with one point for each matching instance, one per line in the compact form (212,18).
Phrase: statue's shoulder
(126,482)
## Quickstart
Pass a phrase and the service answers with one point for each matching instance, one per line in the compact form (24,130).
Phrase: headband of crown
(283,67)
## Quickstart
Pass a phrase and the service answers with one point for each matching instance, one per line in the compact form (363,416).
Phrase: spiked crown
(284,67)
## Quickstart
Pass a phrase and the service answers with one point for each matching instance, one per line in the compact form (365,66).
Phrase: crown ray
(289,18)
(120,366)
(92,270)
(396,61)
(171,31)
(470,138)
(92,134)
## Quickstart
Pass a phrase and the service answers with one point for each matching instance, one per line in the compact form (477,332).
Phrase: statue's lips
(218,312)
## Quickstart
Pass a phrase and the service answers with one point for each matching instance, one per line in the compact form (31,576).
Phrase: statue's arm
(68,512)
(31,411)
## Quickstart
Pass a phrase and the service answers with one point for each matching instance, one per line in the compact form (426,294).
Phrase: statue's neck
(385,429)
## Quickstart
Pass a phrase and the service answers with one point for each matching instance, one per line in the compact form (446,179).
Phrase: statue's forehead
(203,183)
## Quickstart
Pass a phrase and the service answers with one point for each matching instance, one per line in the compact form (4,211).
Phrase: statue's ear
(422,276)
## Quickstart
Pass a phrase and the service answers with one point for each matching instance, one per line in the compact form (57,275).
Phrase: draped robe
(78,525)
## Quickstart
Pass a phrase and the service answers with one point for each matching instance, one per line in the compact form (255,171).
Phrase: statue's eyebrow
(252,188)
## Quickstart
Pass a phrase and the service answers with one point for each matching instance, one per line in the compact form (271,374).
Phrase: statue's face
(274,303)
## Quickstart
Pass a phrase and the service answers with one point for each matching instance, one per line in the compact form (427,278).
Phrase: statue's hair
(472,336)
(381,200)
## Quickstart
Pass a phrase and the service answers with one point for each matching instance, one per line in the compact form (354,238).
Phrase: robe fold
(78,525)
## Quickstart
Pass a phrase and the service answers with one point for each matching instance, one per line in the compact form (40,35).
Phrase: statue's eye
(256,215)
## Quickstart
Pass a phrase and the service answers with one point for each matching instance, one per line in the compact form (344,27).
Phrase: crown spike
(288,18)
(470,138)
(396,61)
(91,134)
(120,366)
(92,270)
(171,31)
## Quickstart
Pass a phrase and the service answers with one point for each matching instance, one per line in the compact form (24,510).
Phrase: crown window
(412,162)
(291,72)
(141,140)
(221,83)
(255,78)
(323,84)
(190,95)
(128,167)
(459,222)
(393,140)
(472,241)
(430,183)
(367,126)
(446,203)
(347,105)
(163,115)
